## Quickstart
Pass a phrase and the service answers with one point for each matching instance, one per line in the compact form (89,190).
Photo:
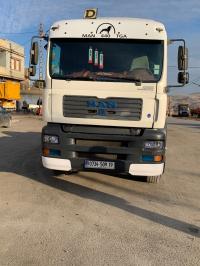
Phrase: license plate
(99,164)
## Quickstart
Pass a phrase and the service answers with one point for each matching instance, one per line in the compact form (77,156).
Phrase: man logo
(91,13)
(105,28)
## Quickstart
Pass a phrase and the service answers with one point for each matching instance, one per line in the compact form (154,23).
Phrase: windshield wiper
(71,77)
(118,78)
(100,77)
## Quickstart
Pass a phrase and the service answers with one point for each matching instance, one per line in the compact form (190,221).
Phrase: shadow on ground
(20,154)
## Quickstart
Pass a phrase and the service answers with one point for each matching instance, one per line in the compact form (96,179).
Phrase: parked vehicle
(105,98)
(183,110)
(5,118)
(195,112)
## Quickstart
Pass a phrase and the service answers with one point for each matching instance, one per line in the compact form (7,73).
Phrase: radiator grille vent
(96,108)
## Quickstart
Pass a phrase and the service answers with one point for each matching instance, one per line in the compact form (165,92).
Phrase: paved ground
(94,219)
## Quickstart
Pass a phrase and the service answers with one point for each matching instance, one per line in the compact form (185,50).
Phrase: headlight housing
(154,144)
(50,139)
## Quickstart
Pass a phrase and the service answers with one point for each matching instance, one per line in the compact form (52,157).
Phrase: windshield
(106,59)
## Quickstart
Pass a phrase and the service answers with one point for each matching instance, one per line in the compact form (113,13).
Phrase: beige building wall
(11,60)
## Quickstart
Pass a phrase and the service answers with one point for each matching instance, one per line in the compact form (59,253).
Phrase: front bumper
(80,143)
(134,169)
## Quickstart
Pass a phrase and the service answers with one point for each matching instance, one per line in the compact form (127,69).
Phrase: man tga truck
(105,95)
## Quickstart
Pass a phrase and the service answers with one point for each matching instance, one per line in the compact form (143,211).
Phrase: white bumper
(56,164)
(146,169)
(134,169)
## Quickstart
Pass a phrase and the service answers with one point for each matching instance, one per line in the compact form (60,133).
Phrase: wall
(11,50)
(2,58)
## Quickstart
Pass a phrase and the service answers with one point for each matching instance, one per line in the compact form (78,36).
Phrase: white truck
(105,95)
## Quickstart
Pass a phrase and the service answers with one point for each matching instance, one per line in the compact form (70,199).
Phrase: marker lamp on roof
(91,13)
(51,139)
(154,145)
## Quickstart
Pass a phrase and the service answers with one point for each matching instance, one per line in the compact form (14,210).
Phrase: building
(11,73)
(11,60)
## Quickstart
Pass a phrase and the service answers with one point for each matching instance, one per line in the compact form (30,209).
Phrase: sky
(20,20)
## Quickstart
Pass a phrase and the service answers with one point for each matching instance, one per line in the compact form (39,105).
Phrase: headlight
(154,145)
(50,139)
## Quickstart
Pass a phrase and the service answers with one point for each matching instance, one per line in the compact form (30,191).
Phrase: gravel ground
(95,219)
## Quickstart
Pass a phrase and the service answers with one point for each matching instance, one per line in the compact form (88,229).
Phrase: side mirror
(34,53)
(182,58)
(32,71)
(183,77)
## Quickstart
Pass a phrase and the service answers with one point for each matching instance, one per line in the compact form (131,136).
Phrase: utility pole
(41,34)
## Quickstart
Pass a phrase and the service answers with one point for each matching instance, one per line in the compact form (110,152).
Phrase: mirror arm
(175,86)
(177,40)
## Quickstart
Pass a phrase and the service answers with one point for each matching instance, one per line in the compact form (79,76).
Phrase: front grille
(104,149)
(90,143)
(101,156)
(96,108)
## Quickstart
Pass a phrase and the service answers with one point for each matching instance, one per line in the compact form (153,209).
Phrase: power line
(196,79)
(15,33)
(188,67)
(196,84)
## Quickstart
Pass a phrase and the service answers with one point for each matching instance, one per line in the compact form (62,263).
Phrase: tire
(70,172)
(153,179)
(59,172)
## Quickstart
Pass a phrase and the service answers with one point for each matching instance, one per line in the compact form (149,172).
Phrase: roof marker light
(159,29)
(91,13)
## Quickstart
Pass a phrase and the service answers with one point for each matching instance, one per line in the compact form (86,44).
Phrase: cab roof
(116,28)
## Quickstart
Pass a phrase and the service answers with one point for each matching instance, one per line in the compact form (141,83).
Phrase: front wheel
(59,172)
(71,172)
(153,179)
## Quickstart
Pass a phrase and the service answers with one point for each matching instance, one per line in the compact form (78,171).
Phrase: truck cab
(105,97)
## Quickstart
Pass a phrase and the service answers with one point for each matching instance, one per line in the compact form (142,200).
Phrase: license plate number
(99,164)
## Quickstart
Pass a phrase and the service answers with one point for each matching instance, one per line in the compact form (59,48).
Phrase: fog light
(54,152)
(148,158)
(157,144)
(50,139)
